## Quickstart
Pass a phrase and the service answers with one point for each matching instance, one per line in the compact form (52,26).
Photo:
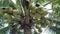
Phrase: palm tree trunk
(26,26)
(27,29)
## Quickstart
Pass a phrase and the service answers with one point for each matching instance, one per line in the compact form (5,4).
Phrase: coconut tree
(25,15)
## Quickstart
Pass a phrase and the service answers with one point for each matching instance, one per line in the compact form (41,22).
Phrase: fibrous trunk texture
(27,29)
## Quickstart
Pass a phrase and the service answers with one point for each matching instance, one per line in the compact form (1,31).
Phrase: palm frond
(4,30)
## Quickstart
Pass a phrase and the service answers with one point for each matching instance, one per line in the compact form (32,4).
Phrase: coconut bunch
(10,14)
(38,13)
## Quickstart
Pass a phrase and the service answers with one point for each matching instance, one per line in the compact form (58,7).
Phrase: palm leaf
(3,30)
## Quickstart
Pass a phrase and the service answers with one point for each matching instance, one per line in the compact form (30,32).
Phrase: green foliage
(1,12)
(41,1)
(35,32)
(17,17)
(14,12)
(39,28)
(8,10)
(7,16)
(4,30)
(37,16)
